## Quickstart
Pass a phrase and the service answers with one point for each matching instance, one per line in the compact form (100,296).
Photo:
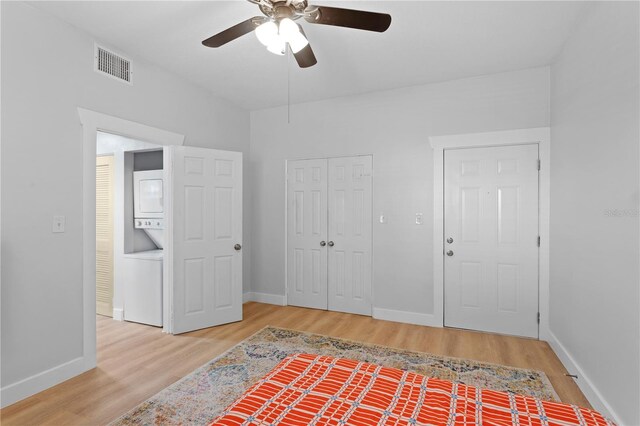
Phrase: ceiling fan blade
(350,18)
(305,57)
(235,32)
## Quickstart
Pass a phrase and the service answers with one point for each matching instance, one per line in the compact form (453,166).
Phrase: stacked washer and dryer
(142,271)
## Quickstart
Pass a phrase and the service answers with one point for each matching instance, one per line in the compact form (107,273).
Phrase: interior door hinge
(539,164)
(538,317)
(538,240)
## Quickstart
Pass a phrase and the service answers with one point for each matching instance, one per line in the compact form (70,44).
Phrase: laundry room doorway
(129,229)
(181,208)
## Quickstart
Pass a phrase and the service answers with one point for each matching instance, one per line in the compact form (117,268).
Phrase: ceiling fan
(277,28)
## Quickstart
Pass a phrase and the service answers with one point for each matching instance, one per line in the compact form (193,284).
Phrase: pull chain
(288,86)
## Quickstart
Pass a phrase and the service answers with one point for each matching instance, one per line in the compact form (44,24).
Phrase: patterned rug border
(376,345)
(188,375)
(309,333)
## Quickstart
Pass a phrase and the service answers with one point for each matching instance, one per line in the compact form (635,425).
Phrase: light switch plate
(419,218)
(58,224)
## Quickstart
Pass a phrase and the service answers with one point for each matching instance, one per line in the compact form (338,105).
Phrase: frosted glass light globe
(290,31)
(267,33)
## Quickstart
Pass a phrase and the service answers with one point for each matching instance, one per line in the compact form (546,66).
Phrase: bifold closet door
(350,234)
(104,235)
(329,207)
(307,233)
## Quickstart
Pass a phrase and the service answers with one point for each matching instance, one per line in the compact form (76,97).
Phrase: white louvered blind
(104,235)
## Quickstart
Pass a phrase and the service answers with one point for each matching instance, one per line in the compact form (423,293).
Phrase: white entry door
(491,239)
(349,234)
(329,229)
(307,233)
(206,201)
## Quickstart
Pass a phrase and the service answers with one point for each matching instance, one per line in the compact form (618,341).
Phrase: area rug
(202,395)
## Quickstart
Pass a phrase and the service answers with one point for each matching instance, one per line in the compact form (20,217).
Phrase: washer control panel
(148,223)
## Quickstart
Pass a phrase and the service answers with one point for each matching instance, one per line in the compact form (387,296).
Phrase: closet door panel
(350,234)
(306,233)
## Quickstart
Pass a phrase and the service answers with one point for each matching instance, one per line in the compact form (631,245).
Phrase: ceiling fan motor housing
(282,9)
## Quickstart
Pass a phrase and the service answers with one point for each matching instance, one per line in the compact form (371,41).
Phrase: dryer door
(148,194)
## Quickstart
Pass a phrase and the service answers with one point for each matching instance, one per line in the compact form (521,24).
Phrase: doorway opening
(93,123)
(129,229)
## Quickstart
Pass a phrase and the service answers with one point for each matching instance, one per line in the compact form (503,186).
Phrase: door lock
(449,240)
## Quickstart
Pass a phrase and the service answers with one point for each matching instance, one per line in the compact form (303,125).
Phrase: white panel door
(349,233)
(307,233)
(491,239)
(206,202)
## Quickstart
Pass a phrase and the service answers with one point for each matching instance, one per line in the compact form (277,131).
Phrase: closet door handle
(237,247)
(322,244)
(330,243)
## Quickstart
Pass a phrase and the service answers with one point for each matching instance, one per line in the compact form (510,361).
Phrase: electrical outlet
(58,224)
(419,218)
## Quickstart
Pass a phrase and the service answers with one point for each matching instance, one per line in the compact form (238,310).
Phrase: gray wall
(147,160)
(394,126)
(47,72)
(594,203)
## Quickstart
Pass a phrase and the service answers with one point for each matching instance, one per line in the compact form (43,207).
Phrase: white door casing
(491,214)
(306,232)
(350,234)
(206,197)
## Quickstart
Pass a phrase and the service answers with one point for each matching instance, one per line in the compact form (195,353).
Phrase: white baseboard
(272,299)
(38,382)
(584,383)
(118,314)
(407,317)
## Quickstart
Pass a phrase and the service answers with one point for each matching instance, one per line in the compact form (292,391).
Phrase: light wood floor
(137,361)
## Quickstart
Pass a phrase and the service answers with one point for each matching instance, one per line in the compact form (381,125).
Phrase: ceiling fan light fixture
(298,43)
(288,29)
(277,29)
(267,33)
(277,45)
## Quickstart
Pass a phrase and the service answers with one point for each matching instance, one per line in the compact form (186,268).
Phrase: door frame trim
(92,122)
(538,135)
(285,301)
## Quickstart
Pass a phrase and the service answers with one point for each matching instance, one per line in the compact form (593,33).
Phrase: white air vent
(112,64)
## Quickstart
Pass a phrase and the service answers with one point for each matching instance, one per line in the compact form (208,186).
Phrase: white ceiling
(427,42)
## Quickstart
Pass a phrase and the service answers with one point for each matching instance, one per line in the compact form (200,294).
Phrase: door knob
(237,247)
(449,240)
(450,253)
(330,243)
(322,244)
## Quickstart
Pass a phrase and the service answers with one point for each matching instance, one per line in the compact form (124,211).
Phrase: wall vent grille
(112,64)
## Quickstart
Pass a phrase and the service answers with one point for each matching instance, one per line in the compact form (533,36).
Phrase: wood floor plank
(137,361)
